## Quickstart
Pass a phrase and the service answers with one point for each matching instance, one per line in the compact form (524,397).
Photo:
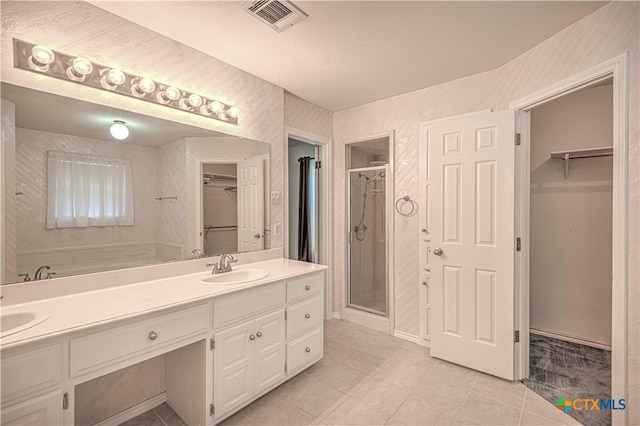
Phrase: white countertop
(88,309)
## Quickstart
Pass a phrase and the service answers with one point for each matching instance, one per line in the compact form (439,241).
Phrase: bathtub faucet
(38,274)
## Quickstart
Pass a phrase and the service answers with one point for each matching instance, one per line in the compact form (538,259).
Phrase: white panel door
(250,205)
(269,350)
(472,162)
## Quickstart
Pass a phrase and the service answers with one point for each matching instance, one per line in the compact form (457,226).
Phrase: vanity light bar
(43,60)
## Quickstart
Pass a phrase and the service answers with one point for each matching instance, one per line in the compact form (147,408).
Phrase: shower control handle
(438,251)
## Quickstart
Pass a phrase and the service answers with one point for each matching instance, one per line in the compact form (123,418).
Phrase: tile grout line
(524,400)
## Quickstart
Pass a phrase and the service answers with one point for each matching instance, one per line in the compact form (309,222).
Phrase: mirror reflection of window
(88,190)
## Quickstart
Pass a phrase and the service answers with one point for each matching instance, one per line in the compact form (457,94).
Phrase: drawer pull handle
(307,350)
(153,335)
(307,287)
(307,316)
(252,337)
(259,334)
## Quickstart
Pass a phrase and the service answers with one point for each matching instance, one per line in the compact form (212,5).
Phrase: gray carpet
(572,371)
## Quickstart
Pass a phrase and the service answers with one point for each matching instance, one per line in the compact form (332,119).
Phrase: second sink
(19,321)
(237,276)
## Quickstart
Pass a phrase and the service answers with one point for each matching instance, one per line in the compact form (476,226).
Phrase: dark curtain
(304,221)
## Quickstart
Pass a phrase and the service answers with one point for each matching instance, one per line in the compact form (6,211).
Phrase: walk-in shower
(367,289)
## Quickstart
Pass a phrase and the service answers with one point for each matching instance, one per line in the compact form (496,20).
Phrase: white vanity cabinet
(304,322)
(249,352)
(32,391)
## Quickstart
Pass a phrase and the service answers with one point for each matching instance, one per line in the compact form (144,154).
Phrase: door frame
(199,162)
(367,319)
(325,202)
(616,69)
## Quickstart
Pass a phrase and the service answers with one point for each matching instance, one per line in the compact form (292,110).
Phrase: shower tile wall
(610,31)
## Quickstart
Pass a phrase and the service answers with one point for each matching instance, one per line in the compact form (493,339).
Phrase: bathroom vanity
(222,345)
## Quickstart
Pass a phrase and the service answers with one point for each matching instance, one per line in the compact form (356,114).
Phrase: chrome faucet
(197,253)
(38,274)
(224,265)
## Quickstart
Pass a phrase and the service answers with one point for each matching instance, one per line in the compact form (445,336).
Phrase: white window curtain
(88,190)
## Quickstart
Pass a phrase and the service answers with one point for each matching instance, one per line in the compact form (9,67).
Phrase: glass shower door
(367,289)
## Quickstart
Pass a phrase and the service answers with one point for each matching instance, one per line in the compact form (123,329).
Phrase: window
(88,190)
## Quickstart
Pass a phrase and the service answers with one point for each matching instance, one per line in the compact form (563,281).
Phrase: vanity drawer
(304,315)
(303,287)
(27,372)
(108,347)
(230,309)
(304,350)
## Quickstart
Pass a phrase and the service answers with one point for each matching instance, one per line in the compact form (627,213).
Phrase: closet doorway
(571,222)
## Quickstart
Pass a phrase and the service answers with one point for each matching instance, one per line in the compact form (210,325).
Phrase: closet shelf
(606,151)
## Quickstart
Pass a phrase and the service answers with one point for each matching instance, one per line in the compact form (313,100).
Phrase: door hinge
(212,344)
(285,315)
(318,164)
(518,244)
(516,336)
(212,410)
(517,139)
(65,401)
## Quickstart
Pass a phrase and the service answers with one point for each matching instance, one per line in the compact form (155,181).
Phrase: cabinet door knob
(153,335)
(424,230)
(424,283)
(308,350)
(252,337)
(307,316)
(307,287)
(259,334)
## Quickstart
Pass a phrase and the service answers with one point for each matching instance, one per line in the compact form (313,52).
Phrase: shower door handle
(438,251)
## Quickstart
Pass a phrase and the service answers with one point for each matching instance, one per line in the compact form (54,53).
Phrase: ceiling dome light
(112,78)
(41,58)
(168,94)
(142,86)
(118,130)
(79,70)
(233,112)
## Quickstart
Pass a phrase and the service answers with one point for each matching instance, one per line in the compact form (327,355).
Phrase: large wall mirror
(78,201)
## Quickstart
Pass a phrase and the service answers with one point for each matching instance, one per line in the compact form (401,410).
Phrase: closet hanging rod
(217,176)
(606,151)
(175,197)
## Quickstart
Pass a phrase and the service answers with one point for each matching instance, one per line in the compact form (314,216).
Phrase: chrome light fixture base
(88,73)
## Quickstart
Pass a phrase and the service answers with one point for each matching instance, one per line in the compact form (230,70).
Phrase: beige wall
(608,32)
(571,221)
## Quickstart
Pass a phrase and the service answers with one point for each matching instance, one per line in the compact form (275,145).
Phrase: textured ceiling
(348,53)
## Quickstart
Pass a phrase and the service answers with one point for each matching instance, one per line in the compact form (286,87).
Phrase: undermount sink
(19,321)
(238,276)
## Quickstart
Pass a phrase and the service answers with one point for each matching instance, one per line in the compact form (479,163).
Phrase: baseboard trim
(411,338)
(571,339)
(336,315)
(134,411)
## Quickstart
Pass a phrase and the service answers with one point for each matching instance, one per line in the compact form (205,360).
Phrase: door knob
(259,334)
(438,251)
(256,236)
(252,337)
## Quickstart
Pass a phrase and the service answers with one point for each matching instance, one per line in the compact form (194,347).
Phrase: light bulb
(41,58)
(118,130)
(112,78)
(79,70)
(233,112)
(194,100)
(169,94)
(215,107)
(142,86)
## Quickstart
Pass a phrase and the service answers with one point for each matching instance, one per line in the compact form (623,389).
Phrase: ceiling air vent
(277,14)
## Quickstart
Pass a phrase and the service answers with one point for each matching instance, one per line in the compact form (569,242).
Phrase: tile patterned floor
(560,368)
(370,378)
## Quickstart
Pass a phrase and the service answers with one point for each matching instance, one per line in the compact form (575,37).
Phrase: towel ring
(413,205)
